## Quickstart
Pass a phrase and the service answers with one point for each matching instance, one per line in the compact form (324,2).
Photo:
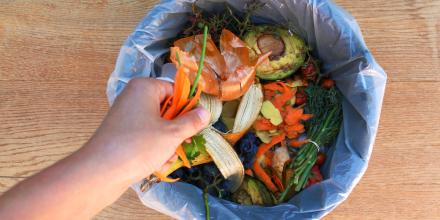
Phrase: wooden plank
(129,207)
(64,40)
(42,122)
(73,41)
(402,35)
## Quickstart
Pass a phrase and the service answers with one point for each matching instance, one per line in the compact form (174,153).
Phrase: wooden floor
(56,56)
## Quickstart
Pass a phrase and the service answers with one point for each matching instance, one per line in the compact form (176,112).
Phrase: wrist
(111,165)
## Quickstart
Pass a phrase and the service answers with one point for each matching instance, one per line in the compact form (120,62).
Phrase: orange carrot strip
(265,147)
(170,113)
(165,105)
(164,178)
(263,124)
(269,94)
(306,117)
(186,86)
(268,158)
(173,105)
(264,177)
(293,115)
(181,153)
(286,94)
(292,134)
(298,143)
(278,182)
(193,101)
(296,127)
(274,86)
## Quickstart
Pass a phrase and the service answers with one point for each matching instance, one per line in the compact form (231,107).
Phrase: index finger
(164,88)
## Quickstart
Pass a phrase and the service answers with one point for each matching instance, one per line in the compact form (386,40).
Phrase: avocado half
(288,51)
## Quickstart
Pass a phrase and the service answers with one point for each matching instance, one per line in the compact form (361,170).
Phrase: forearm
(77,187)
(131,143)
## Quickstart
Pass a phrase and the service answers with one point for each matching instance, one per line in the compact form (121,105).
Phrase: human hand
(132,142)
(134,139)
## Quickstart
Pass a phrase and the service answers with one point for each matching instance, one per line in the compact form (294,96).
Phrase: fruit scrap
(269,111)
(281,118)
(310,69)
(259,171)
(249,172)
(282,93)
(263,148)
(296,143)
(281,155)
(315,176)
(268,158)
(288,51)
(320,159)
(327,83)
(264,177)
(301,97)
(277,181)
(263,124)
(182,101)
(291,118)
(229,71)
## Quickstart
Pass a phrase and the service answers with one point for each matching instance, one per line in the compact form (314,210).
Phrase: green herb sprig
(205,200)
(202,59)
(195,148)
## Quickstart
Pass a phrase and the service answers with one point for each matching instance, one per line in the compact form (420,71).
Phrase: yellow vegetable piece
(264,136)
(269,111)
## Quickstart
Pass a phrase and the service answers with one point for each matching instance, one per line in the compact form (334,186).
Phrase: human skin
(132,142)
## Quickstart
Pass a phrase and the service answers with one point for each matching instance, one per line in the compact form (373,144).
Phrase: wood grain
(46,121)
(57,56)
(404,36)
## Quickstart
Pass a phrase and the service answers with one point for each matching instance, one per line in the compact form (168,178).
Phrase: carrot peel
(181,153)
(278,182)
(265,147)
(264,177)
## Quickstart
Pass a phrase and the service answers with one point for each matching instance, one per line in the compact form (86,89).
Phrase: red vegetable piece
(301,97)
(320,159)
(327,83)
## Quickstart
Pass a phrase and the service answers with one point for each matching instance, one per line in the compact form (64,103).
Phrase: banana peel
(224,157)
(219,145)
(247,113)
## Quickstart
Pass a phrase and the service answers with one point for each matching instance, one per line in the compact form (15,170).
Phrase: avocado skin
(294,55)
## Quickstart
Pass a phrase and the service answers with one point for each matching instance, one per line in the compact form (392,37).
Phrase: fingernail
(204,115)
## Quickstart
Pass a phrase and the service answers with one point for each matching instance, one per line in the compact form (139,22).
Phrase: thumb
(192,122)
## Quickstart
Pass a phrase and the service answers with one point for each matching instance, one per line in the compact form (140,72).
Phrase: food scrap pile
(273,113)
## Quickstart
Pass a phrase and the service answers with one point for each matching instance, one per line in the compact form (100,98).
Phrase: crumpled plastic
(336,40)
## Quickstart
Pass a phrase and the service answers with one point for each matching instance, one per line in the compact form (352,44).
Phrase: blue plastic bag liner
(335,39)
